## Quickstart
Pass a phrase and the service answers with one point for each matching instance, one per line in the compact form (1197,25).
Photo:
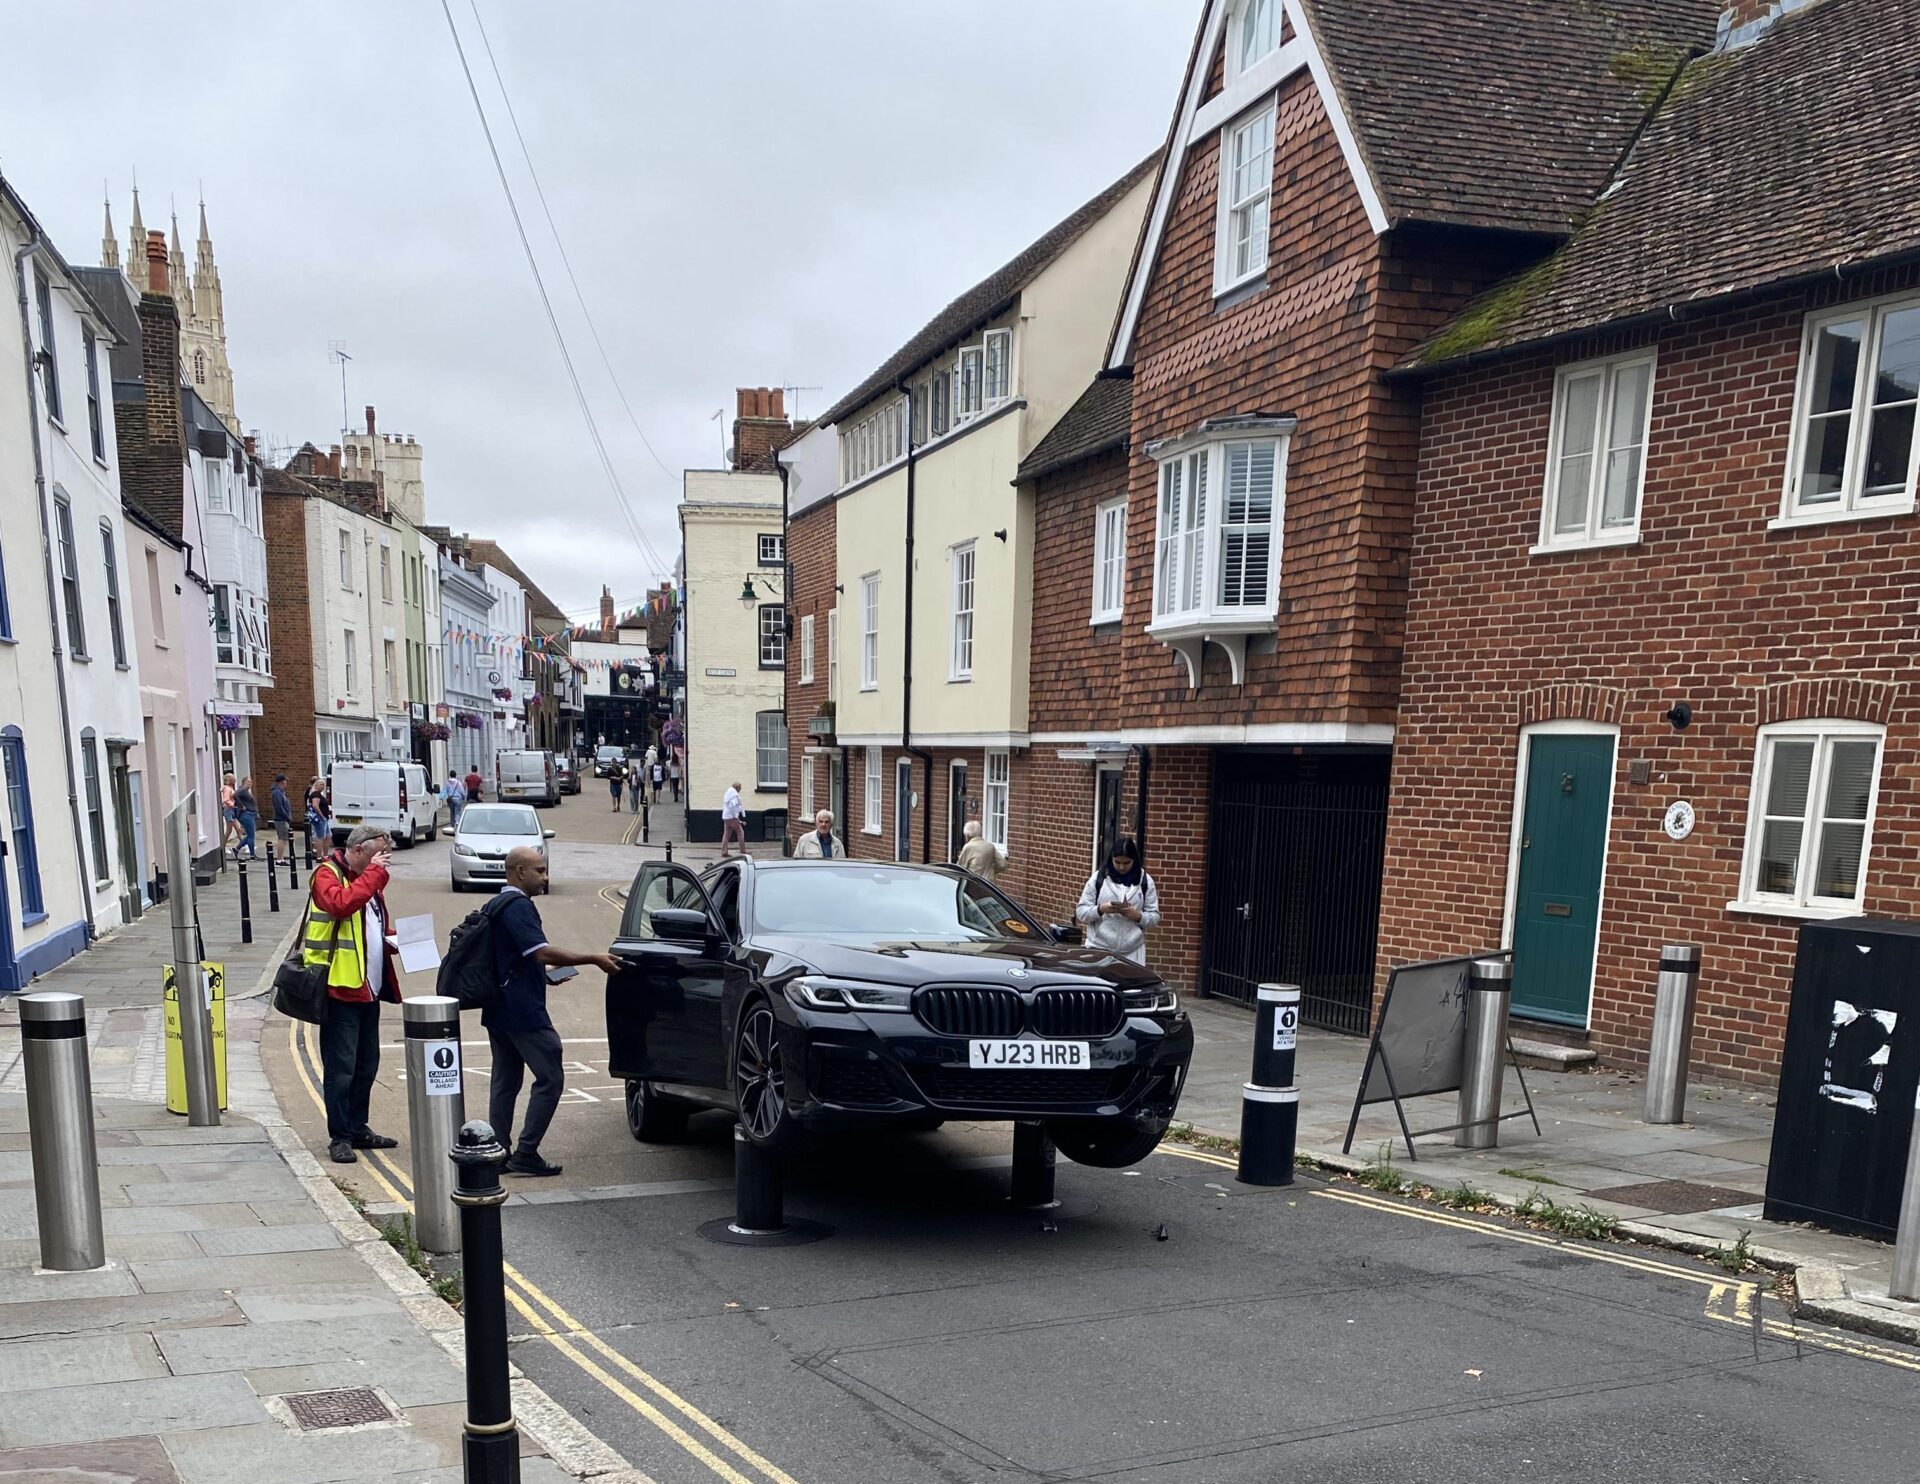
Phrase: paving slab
(213,1192)
(131,1219)
(242,1241)
(36,1365)
(30,1287)
(429,1440)
(430,1380)
(119,1461)
(141,1311)
(262,1271)
(281,1305)
(114,1409)
(388,1343)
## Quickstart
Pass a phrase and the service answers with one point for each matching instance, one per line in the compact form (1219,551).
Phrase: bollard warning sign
(443,1070)
(1286,1024)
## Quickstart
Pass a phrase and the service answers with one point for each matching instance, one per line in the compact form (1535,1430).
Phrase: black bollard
(669,850)
(246,905)
(646,822)
(273,882)
(293,881)
(759,1203)
(1270,1103)
(1033,1161)
(490,1449)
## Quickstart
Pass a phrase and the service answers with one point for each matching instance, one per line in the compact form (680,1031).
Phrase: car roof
(794,863)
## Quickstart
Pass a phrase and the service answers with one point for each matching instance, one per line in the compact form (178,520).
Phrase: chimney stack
(760,426)
(606,611)
(370,429)
(157,263)
(333,462)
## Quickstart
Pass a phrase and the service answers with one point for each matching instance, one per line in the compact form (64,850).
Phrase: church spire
(109,249)
(137,246)
(177,275)
(207,307)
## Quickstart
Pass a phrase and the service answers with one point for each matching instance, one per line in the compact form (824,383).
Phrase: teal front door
(1563,846)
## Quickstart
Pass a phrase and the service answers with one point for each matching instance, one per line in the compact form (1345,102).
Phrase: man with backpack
(505,942)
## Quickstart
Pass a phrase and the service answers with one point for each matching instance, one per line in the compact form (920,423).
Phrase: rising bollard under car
(837,995)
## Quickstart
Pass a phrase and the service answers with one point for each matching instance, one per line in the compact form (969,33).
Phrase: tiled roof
(1774,162)
(981,302)
(1097,422)
(1501,113)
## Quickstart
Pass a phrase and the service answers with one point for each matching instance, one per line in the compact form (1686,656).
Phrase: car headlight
(459,849)
(1150,999)
(812,992)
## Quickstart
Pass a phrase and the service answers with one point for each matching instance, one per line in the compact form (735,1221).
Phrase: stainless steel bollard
(1905,1282)
(436,1107)
(1672,1042)
(196,1017)
(1489,999)
(66,1167)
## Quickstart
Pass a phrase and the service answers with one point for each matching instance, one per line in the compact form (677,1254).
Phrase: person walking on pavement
(455,793)
(282,813)
(733,822)
(657,776)
(635,781)
(1119,903)
(673,775)
(347,930)
(475,785)
(820,843)
(980,855)
(229,814)
(246,814)
(616,781)
(519,1029)
(319,823)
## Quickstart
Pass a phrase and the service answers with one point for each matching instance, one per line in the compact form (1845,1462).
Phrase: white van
(395,796)
(525,776)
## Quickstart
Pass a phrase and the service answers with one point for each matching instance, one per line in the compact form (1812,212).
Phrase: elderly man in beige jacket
(820,842)
(980,855)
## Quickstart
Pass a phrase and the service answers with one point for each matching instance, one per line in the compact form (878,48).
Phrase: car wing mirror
(1066,932)
(548,834)
(680,925)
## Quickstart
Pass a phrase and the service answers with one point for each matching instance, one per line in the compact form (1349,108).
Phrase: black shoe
(371,1140)
(341,1152)
(530,1164)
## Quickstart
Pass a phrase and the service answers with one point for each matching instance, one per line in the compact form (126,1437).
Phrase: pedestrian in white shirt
(1118,904)
(733,822)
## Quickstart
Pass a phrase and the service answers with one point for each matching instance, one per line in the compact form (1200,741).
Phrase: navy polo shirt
(517,936)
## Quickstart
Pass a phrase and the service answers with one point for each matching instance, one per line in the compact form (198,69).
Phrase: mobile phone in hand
(561,976)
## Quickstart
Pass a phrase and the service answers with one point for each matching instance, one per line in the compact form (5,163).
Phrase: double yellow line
(706,1440)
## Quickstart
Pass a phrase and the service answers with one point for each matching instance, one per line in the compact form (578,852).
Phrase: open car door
(664,1005)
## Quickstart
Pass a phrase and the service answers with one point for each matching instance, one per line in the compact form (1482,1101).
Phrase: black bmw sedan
(834,995)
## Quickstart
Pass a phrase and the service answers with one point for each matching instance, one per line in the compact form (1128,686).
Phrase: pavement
(1166,1323)
(1696,1186)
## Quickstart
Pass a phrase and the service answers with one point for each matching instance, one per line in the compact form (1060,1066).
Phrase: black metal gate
(1295,849)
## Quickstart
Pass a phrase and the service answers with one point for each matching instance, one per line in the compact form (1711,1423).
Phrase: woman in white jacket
(1118,905)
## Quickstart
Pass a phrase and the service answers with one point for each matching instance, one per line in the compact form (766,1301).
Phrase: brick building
(1665,587)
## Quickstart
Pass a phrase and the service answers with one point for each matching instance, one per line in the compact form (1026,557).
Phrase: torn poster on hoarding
(1859,1046)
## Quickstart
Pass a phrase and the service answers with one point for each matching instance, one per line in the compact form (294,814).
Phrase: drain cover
(1673,1197)
(349,1407)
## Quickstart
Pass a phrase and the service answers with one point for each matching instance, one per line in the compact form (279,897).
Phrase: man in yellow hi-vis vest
(347,930)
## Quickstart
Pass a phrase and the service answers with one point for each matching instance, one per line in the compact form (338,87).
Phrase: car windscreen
(883,902)
(605,754)
(491,819)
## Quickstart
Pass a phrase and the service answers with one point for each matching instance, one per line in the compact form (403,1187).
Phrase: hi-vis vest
(348,966)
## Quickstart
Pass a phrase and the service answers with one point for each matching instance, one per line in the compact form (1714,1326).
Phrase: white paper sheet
(418,951)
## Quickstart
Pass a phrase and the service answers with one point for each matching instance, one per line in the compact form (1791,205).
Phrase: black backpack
(470,972)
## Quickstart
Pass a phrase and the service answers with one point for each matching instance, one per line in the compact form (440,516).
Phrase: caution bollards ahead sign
(214,986)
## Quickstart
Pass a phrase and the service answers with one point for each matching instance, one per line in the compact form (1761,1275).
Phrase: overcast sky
(750,193)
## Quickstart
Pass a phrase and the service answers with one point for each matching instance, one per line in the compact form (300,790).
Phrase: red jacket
(472,781)
(341,901)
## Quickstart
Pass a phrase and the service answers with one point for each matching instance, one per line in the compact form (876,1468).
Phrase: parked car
(605,759)
(395,796)
(566,775)
(487,832)
(525,774)
(835,995)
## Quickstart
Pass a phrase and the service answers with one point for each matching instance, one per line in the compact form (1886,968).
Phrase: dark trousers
(349,1058)
(515,1053)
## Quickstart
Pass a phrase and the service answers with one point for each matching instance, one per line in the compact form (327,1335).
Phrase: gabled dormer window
(1257,32)
(967,385)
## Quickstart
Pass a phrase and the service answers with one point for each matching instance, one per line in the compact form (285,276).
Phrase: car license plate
(346,819)
(1055,1056)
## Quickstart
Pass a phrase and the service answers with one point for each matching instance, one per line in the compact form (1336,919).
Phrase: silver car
(487,832)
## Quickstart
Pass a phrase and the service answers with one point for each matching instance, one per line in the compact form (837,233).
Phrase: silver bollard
(1671,1045)
(196,1016)
(66,1167)
(1489,998)
(1905,1282)
(436,1107)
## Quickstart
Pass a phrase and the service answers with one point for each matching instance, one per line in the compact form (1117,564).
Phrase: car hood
(1017,965)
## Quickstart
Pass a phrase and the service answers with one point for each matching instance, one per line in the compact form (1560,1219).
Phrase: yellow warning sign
(214,987)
